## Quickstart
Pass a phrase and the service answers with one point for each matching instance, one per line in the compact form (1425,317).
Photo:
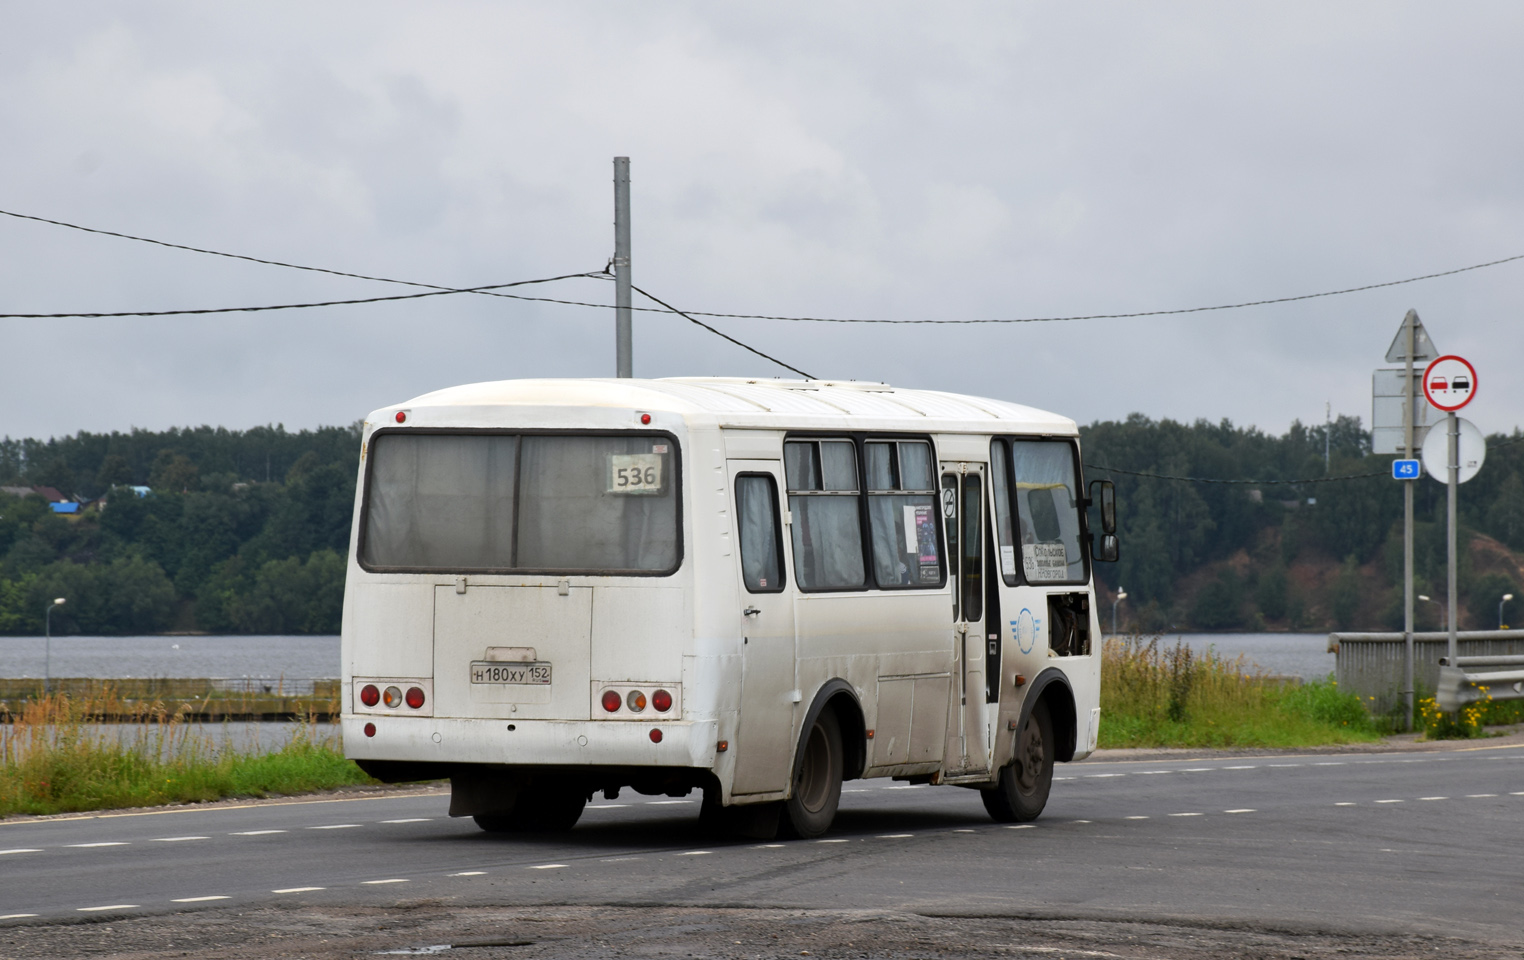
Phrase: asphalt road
(1414,843)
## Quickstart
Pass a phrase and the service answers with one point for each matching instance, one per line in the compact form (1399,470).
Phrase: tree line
(248,531)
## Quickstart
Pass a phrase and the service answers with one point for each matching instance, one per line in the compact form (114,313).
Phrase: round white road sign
(1449,383)
(1471,446)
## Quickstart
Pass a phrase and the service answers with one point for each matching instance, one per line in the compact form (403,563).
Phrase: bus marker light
(637,701)
(415,697)
(392,696)
(722,746)
(662,701)
(656,735)
(370,695)
(1021,681)
(611,700)
(870,734)
(645,418)
(370,729)
(402,416)
(1010,725)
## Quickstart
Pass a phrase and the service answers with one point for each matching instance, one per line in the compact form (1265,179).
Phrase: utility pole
(623,344)
(1452,425)
(1327,433)
(1409,331)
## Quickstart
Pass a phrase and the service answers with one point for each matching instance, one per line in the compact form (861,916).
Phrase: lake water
(116,657)
(1302,655)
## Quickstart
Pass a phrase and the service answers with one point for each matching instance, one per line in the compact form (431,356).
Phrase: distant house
(141,491)
(65,506)
(50,494)
(17,491)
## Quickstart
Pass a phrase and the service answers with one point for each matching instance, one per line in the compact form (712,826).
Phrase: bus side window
(902,514)
(827,528)
(761,543)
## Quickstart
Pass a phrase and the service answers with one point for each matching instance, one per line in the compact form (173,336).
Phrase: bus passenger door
(765,609)
(963,515)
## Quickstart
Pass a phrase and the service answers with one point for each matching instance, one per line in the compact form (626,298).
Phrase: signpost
(1449,383)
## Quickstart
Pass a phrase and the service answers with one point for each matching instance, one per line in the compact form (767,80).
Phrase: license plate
(493,671)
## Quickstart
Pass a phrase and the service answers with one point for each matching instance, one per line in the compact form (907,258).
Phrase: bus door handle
(750,612)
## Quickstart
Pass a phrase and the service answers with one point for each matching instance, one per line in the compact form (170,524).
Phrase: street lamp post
(47,668)
(1506,597)
(1121,595)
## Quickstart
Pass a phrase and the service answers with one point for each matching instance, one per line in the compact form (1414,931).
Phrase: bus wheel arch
(831,748)
(1052,688)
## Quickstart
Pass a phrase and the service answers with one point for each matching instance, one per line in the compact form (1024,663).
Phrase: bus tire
(812,803)
(545,810)
(1021,790)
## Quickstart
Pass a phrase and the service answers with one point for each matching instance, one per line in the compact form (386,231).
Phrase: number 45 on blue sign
(1405,469)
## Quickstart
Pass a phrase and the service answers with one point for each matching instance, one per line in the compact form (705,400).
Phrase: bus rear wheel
(817,779)
(1021,790)
(551,809)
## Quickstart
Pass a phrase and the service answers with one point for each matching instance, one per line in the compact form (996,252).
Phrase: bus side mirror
(1104,548)
(1106,498)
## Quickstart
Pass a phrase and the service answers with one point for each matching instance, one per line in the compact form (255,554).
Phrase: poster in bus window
(1044,561)
(925,525)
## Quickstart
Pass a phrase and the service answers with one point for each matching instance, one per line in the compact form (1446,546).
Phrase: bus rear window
(534,503)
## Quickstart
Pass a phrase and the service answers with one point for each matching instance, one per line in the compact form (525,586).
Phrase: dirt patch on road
(432,927)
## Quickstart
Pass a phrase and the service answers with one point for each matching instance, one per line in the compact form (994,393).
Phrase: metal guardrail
(1459,687)
(1370,664)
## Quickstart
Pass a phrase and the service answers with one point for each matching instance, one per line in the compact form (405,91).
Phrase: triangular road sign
(1423,347)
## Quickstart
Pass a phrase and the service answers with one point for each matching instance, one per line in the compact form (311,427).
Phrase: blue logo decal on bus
(1025,628)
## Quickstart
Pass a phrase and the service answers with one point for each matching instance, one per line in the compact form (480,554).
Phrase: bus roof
(744,402)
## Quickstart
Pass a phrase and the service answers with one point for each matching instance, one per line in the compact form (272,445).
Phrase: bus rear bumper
(531,742)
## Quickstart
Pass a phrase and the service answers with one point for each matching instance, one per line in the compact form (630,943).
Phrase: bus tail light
(370,729)
(392,696)
(611,700)
(662,701)
(656,734)
(370,695)
(415,697)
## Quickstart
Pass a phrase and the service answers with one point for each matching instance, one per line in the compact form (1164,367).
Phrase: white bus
(752,588)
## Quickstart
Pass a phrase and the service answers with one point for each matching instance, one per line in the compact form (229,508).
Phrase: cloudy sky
(897,161)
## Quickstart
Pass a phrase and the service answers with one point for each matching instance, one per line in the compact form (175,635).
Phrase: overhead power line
(723,335)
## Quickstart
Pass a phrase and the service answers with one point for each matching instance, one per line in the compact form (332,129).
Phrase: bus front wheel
(817,779)
(1021,790)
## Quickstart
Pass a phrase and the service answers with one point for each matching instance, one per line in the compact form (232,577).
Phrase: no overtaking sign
(1449,383)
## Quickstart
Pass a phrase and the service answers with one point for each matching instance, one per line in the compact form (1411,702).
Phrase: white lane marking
(335,826)
(1283,764)
(1517,793)
(410,820)
(907,786)
(254,833)
(1330,763)
(1478,796)
(1345,803)
(1252,766)
(1079,821)
(1197,770)
(298,889)
(622,859)
(372,883)
(1388,801)
(198,899)
(21,850)
(1102,776)
(608,806)
(109,906)
(854,790)
(695,853)
(1187,814)
(960,830)
(663,803)
(547,866)
(176,839)
(1134,818)
(107,843)
(1021,826)
(895,836)
(1063,778)
(1149,773)
(16,916)
(1240,810)
(760,846)
(469,873)
(1433,798)
(830,841)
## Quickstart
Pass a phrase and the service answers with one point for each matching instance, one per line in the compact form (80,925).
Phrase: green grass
(1155,696)
(53,760)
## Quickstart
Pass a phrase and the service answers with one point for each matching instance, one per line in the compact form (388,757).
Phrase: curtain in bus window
(1047,503)
(597,504)
(1005,538)
(902,515)
(827,529)
(757,517)
(440,502)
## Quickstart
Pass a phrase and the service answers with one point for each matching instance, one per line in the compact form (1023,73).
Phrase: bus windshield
(531,503)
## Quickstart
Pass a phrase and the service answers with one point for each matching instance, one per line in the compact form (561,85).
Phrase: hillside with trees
(247,531)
